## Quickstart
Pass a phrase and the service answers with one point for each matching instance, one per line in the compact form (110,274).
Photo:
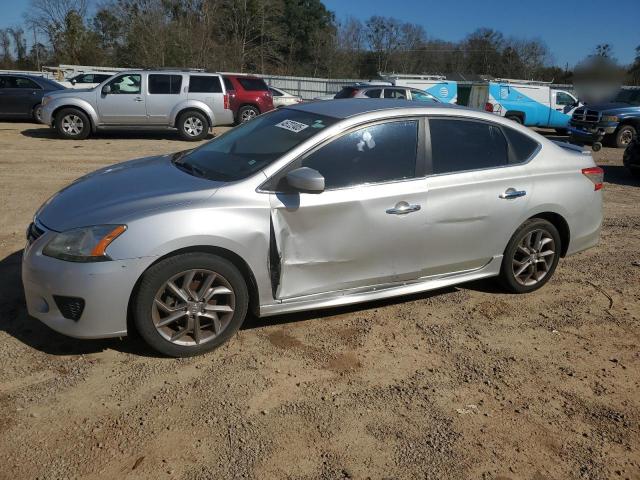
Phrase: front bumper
(590,132)
(47,114)
(105,288)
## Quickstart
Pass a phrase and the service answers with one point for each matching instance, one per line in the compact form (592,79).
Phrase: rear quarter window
(521,147)
(205,84)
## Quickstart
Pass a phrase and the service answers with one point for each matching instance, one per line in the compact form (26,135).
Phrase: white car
(282,98)
(87,79)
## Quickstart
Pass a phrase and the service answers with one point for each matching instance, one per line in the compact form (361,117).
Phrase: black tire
(515,118)
(156,277)
(623,136)
(247,113)
(193,126)
(507,275)
(36,114)
(84,125)
(562,131)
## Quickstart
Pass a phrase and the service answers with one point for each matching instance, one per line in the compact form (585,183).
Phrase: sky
(571,28)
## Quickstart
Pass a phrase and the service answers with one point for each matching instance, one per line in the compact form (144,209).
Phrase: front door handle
(137,99)
(512,193)
(402,208)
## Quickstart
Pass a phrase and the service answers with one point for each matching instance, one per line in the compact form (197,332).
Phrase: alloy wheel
(626,137)
(193,126)
(38,113)
(72,124)
(248,114)
(193,307)
(534,257)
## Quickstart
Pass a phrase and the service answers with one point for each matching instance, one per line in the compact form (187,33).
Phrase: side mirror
(306,180)
(106,90)
(73,81)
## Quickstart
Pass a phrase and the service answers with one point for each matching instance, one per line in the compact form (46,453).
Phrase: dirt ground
(460,383)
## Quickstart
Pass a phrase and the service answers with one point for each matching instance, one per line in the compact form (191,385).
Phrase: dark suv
(248,96)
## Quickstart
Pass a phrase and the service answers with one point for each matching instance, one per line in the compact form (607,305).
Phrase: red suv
(249,96)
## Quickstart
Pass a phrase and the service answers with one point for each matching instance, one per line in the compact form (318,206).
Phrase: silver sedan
(307,207)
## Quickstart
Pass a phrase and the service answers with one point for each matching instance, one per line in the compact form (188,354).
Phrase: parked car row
(190,102)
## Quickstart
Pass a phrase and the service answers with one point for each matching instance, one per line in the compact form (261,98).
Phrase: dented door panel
(345,238)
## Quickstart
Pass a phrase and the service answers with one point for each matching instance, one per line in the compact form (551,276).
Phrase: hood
(611,107)
(117,193)
(70,92)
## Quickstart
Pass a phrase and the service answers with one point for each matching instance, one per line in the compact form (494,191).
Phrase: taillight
(226,101)
(596,175)
(488,107)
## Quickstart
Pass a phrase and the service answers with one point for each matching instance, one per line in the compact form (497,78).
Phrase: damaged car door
(366,227)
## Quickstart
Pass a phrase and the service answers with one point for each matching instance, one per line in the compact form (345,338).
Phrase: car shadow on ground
(619,175)
(46,133)
(15,321)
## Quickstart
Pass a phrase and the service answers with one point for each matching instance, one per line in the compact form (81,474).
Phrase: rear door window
(165,84)
(375,93)
(458,145)
(253,84)
(7,82)
(398,93)
(204,84)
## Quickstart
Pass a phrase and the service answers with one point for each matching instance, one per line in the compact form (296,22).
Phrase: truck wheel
(515,118)
(73,124)
(193,126)
(623,136)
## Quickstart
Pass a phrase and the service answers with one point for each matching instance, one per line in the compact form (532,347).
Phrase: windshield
(252,146)
(630,96)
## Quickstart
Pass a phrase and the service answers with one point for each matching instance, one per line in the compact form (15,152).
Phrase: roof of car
(350,107)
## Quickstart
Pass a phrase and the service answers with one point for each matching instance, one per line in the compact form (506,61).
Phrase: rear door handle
(512,193)
(402,208)
(137,99)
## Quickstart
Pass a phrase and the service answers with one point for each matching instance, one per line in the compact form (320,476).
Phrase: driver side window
(126,84)
(373,154)
(564,99)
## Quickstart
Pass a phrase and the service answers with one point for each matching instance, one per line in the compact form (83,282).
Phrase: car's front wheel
(531,256)
(190,304)
(37,113)
(73,124)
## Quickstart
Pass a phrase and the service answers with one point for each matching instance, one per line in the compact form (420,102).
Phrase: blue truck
(617,122)
(534,104)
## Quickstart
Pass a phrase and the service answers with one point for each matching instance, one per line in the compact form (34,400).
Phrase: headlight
(86,244)
(609,118)
(45,100)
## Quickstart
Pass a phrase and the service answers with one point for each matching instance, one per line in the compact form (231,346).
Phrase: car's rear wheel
(73,124)
(193,126)
(190,304)
(247,113)
(515,118)
(531,256)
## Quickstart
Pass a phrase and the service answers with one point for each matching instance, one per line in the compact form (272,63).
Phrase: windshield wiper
(187,167)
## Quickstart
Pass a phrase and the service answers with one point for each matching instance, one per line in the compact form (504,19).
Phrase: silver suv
(191,102)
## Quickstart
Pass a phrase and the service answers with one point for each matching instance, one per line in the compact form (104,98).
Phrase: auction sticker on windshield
(292,126)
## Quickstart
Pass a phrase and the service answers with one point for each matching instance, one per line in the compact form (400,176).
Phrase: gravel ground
(465,382)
